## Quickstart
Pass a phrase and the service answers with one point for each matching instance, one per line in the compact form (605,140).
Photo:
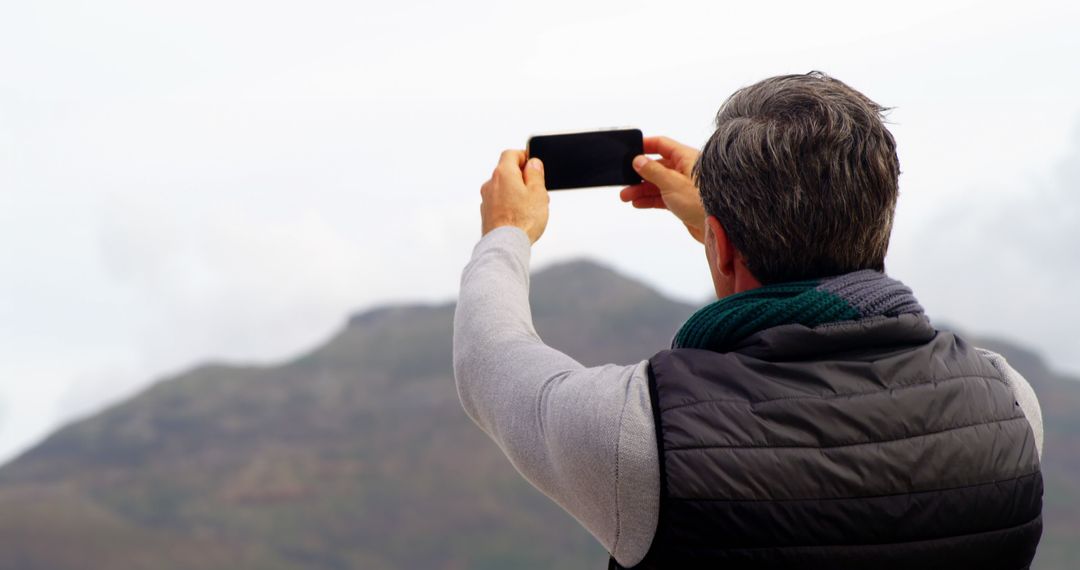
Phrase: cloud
(178,185)
(229,280)
(1008,262)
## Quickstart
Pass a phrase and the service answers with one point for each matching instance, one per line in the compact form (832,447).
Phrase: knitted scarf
(851,296)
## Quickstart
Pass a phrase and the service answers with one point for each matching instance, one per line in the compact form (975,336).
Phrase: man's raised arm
(583,436)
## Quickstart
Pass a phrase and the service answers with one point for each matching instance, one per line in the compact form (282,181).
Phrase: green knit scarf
(722,324)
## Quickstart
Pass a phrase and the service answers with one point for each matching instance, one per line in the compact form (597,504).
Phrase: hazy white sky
(229,180)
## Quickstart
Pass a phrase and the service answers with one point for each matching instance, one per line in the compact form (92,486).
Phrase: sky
(229,180)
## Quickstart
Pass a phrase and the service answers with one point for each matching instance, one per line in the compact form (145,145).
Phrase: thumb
(534,174)
(652,171)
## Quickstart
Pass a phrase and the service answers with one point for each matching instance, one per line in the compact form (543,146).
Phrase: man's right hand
(667,183)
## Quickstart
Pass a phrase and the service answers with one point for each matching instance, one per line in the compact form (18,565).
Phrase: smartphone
(589,158)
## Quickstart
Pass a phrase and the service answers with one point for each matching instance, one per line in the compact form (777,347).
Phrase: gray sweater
(583,436)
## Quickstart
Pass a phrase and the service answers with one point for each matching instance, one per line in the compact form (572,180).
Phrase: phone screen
(586,159)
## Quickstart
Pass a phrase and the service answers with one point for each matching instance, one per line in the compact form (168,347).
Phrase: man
(811,417)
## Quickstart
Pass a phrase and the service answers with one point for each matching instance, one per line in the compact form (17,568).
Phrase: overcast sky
(199,180)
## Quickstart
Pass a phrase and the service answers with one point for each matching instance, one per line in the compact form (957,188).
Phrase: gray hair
(803,176)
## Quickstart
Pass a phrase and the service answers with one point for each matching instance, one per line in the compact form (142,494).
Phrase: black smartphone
(590,158)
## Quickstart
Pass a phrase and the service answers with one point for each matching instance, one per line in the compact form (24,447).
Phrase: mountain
(358,455)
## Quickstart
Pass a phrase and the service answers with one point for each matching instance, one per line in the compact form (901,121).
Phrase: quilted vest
(880,443)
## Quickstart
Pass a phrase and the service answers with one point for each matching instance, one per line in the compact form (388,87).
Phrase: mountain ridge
(356,453)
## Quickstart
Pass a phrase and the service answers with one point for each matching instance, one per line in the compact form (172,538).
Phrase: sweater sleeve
(583,436)
(1022,390)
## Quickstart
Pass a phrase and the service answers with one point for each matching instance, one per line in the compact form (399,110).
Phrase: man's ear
(722,248)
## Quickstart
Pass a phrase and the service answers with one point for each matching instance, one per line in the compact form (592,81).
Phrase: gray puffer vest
(879,443)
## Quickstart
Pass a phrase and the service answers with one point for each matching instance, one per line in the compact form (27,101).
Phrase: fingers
(645,195)
(509,169)
(534,175)
(650,202)
(663,146)
(511,159)
(655,172)
(643,190)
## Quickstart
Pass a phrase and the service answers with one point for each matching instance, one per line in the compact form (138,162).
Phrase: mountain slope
(355,455)
(358,455)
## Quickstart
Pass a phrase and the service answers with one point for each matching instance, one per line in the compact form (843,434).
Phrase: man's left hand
(515,196)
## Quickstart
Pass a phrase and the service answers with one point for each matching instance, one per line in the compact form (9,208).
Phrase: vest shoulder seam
(847,395)
(849,444)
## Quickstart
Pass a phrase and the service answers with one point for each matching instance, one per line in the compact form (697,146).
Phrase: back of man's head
(802,174)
